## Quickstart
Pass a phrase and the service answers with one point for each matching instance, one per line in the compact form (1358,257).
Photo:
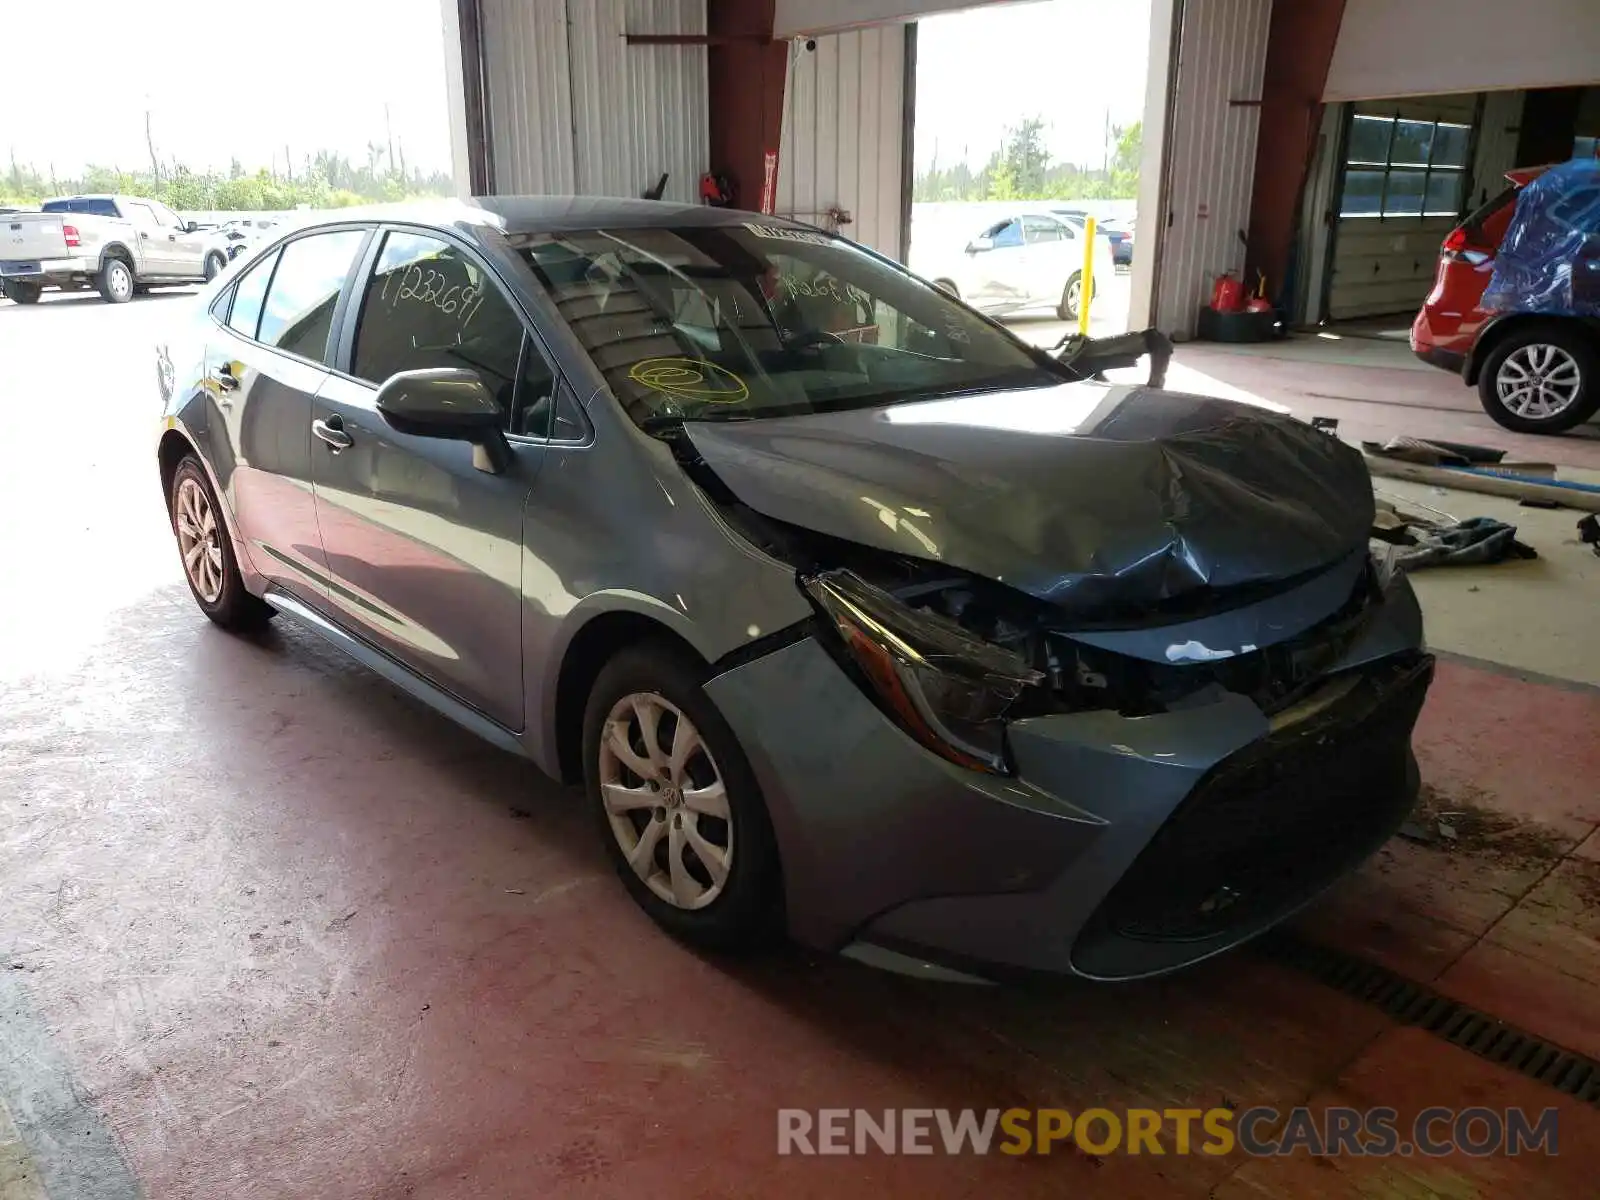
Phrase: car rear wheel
(214,264)
(1541,379)
(115,281)
(677,803)
(206,552)
(24,293)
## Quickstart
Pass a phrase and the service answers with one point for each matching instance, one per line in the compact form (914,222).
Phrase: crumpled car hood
(1102,499)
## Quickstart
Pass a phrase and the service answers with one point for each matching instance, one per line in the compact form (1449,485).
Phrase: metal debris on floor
(1589,532)
(1481,469)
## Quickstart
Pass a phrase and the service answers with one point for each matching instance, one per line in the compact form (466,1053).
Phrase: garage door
(1406,181)
(1418,47)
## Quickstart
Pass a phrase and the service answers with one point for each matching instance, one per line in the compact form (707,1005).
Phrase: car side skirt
(407,681)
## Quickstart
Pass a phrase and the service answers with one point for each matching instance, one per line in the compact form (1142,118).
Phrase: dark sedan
(858,618)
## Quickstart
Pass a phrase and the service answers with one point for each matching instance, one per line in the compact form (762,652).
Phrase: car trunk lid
(32,237)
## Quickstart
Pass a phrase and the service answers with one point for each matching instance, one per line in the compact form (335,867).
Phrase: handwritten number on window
(417,284)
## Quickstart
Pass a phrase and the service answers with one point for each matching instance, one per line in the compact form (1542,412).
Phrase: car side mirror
(978,245)
(448,402)
(191,227)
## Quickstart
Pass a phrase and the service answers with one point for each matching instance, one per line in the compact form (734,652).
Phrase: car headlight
(945,687)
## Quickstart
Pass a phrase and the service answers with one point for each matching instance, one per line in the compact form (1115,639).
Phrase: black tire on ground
(948,285)
(24,293)
(115,281)
(235,608)
(1067,310)
(1576,347)
(748,914)
(215,262)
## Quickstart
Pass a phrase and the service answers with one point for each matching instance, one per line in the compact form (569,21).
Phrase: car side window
(430,304)
(298,314)
(1041,229)
(1007,233)
(164,215)
(248,294)
(141,215)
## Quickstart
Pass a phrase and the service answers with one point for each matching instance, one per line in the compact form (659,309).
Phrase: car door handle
(332,432)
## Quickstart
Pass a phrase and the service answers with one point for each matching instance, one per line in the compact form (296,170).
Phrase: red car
(1535,373)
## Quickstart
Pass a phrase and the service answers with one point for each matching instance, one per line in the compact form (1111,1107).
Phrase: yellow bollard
(1086,280)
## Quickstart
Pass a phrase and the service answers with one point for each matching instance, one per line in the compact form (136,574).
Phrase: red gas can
(1227,293)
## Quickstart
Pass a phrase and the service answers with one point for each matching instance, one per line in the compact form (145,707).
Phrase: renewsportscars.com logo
(1258,1131)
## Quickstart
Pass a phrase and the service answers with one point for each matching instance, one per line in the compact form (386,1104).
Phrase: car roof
(521,215)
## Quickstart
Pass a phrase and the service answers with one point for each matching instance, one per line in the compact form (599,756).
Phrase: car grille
(1272,825)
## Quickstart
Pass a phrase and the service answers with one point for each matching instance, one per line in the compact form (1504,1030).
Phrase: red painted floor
(294,941)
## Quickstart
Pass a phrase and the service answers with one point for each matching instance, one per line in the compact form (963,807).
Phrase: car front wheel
(214,264)
(677,803)
(1542,379)
(207,552)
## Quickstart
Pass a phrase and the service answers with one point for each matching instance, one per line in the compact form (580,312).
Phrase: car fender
(1501,324)
(106,251)
(540,738)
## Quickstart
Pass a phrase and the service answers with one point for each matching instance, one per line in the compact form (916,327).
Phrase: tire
(1548,366)
(24,293)
(743,912)
(1067,310)
(115,282)
(948,285)
(229,604)
(215,263)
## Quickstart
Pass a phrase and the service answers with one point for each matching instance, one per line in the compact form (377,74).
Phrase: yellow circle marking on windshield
(690,379)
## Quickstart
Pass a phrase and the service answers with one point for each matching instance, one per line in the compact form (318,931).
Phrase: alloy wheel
(665,800)
(1074,295)
(199,540)
(1538,381)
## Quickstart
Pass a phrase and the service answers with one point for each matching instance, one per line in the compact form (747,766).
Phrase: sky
(1069,61)
(221,79)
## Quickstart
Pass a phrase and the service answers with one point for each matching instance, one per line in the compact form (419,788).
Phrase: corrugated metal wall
(843,129)
(574,109)
(1211,168)
(529,95)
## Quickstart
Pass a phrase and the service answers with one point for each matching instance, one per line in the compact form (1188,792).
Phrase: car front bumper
(1123,846)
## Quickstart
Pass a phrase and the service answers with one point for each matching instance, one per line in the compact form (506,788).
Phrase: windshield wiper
(660,421)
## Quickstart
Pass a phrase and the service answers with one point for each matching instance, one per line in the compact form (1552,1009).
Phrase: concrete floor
(271,930)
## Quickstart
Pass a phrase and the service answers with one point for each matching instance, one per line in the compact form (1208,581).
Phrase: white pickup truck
(120,245)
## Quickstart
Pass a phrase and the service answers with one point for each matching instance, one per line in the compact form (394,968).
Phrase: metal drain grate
(1459,1024)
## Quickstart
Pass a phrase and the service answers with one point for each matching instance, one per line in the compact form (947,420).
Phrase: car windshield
(755,320)
(97,206)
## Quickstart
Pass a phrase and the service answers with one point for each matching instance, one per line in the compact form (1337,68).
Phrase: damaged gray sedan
(858,618)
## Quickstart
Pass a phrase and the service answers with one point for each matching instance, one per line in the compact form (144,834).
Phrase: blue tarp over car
(1549,261)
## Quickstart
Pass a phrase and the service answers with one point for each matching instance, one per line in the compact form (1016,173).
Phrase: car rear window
(92,206)
(1489,221)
